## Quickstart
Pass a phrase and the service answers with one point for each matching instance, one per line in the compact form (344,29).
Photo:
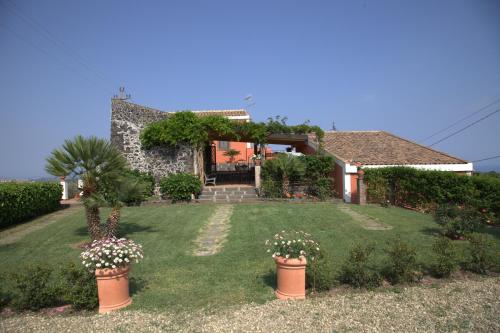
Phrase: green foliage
(22,201)
(487,200)
(312,171)
(98,163)
(445,257)
(180,186)
(319,273)
(187,127)
(232,153)
(481,256)
(456,221)
(181,127)
(422,189)
(79,287)
(271,188)
(131,188)
(34,288)
(402,264)
(357,270)
(322,188)
(5,296)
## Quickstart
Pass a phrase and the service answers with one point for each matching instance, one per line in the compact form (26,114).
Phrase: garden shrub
(180,186)
(481,257)
(322,188)
(22,201)
(402,266)
(271,188)
(79,287)
(456,221)
(357,269)
(5,296)
(146,178)
(446,257)
(425,190)
(319,273)
(312,172)
(34,288)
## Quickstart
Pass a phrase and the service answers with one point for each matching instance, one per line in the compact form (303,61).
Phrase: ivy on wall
(187,127)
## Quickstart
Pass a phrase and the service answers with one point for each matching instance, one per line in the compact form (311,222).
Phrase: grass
(171,278)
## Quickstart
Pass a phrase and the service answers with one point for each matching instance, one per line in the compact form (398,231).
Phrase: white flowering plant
(111,253)
(293,244)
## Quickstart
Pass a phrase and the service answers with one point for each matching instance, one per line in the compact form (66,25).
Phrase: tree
(232,153)
(95,161)
(287,166)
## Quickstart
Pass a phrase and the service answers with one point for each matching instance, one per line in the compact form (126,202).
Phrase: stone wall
(127,122)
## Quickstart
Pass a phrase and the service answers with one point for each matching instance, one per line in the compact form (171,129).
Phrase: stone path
(14,234)
(367,222)
(214,233)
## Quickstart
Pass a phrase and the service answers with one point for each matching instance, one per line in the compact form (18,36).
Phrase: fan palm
(287,166)
(95,161)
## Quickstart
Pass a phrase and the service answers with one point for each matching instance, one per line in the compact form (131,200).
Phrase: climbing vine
(187,127)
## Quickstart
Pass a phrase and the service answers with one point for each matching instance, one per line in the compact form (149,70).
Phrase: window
(223,145)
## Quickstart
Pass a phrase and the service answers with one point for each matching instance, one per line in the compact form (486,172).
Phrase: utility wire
(466,127)
(27,41)
(487,159)
(461,119)
(56,41)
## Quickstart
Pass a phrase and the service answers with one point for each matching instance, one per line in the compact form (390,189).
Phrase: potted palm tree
(291,251)
(232,153)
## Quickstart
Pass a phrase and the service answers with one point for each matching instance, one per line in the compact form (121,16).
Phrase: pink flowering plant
(293,244)
(111,253)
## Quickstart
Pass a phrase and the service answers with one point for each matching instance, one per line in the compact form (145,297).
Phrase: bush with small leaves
(402,266)
(446,257)
(34,288)
(180,186)
(319,273)
(481,257)
(357,270)
(79,287)
(457,222)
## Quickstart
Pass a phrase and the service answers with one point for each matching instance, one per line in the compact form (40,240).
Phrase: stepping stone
(213,234)
(366,221)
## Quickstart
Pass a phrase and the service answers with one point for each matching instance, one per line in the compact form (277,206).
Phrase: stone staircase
(228,194)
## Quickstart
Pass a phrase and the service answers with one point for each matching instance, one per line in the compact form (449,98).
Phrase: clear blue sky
(408,67)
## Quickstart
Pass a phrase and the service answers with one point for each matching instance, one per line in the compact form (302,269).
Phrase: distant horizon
(411,68)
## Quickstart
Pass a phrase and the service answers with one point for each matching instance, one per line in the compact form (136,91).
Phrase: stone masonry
(127,122)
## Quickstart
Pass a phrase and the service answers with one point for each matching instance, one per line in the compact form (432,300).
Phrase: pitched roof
(226,113)
(382,148)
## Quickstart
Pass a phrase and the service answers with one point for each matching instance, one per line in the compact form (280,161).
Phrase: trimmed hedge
(22,201)
(426,190)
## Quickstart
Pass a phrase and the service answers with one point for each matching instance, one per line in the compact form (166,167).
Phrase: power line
(19,36)
(461,119)
(56,42)
(466,127)
(487,159)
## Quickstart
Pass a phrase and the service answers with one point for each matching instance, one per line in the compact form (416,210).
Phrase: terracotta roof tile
(382,148)
(227,113)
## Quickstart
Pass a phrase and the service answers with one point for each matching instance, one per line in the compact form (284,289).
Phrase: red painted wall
(338,177)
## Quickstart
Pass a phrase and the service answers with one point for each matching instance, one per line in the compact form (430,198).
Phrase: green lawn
(171,278)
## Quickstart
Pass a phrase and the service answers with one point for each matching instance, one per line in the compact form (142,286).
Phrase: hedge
(425,190)
(22,201)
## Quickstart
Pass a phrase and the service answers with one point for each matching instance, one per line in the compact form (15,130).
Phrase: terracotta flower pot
(112,288)
(291,276)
